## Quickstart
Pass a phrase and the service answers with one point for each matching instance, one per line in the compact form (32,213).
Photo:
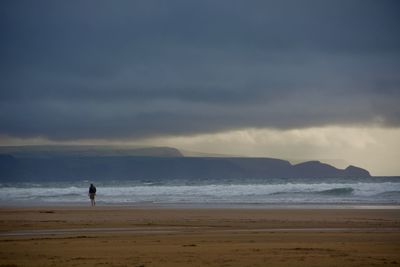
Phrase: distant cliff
(49,151)
(70,166)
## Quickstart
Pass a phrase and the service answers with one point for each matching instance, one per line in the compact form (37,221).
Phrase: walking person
(92,194)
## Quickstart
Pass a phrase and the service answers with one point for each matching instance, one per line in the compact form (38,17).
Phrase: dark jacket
(92,189)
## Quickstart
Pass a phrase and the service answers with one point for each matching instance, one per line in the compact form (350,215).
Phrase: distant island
(47,163)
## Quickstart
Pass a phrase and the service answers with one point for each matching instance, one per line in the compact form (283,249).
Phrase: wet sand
(125,236)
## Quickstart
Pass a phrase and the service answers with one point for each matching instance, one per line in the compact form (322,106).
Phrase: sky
(297,80)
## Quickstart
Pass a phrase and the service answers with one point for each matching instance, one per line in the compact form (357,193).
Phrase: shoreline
(265,206)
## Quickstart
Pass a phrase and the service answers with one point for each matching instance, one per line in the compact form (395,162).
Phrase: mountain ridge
(161,163)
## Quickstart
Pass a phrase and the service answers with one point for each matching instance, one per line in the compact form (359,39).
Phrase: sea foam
(132,192)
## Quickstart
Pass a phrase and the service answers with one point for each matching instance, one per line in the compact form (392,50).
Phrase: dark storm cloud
(101,69)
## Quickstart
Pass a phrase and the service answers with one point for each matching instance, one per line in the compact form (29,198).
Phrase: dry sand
(123,236)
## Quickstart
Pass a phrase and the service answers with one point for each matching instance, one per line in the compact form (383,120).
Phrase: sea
(374,192)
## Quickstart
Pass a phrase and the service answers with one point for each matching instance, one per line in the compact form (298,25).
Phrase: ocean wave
(337,191)
(341,191)
(395,194)
(65,195)
(209,193)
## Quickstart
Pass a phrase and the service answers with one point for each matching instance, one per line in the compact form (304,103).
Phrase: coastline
(152,205)
(167,236)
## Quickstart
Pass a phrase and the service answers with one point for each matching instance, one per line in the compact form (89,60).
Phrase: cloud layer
(100,69)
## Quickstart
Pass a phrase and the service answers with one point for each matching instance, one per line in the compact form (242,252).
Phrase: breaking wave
(131,192)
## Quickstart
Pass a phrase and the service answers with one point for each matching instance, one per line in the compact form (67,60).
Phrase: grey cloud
(97,69)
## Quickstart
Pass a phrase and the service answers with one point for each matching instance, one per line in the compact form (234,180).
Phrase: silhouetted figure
(92,194)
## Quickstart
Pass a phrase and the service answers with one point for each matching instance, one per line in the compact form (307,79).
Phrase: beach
(156,236)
